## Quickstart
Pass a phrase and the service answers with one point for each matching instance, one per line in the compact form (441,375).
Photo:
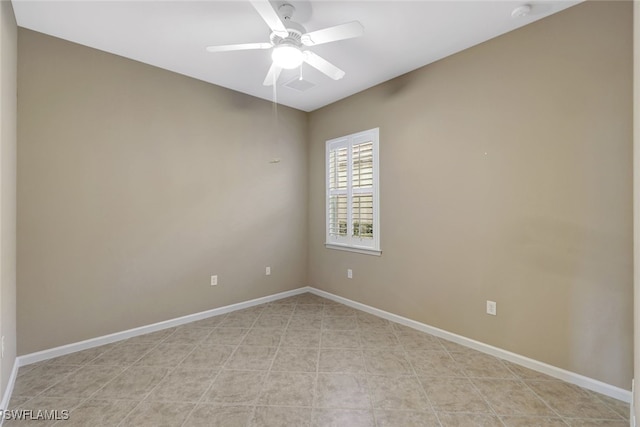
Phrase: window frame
(350,242)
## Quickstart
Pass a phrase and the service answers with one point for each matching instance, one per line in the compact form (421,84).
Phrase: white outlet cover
(491,308)
(349,273)
(267,271)
(214,280)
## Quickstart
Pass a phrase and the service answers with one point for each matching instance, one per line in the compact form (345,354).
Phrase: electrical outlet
(492,307)
(267,271)
(349,273)
(214,280)
(2,347)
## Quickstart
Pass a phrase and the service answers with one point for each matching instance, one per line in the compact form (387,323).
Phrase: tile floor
(300,361)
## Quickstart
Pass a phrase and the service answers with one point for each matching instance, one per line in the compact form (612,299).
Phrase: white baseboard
(39,356)
(568,376)
(6,397)
(632,410)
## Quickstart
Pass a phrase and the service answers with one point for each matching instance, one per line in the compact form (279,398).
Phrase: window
(352,205)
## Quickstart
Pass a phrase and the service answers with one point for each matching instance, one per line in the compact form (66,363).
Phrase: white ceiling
(399,36)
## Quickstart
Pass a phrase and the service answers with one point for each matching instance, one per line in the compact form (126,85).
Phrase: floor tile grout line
(536,394)
(83,401)
(267,372)
(79,367)
(171,370)
(481,394)
(130,412)
(565,418)
(213,380)
(519,379)
(41,392)
(606,403)
(316,406)
(470,380)
(104,385)
(367,374)
(199,402)
(134,364)
(317,377)
(362,375)
(477,390)
(314,403)
(415,375)
(88,398)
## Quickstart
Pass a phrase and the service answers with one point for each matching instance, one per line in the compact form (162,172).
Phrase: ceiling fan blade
(270,16)
(232,47)
(272,75)
(332,34)
(323,65)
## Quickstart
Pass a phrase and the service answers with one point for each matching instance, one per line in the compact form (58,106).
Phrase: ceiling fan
(288,39)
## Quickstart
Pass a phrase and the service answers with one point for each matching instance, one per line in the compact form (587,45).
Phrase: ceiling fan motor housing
(295,30)
(294,37)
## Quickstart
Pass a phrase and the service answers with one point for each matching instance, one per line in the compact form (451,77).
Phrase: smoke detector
(521,11)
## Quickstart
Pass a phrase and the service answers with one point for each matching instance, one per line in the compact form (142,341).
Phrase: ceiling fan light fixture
(287,56)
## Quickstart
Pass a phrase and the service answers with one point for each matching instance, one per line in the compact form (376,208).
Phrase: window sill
(352,249)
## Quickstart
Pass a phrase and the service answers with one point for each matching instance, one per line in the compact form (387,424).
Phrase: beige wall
(136,184)
(8,114)
(506,174)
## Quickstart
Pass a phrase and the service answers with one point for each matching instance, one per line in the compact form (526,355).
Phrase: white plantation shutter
(338,215)
(362,189)
(352,192)
(338,185)
(362,159)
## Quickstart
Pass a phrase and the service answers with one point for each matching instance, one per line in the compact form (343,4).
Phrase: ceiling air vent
(299,85)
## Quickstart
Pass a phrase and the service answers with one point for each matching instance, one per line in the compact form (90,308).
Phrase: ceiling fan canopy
(289,41)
